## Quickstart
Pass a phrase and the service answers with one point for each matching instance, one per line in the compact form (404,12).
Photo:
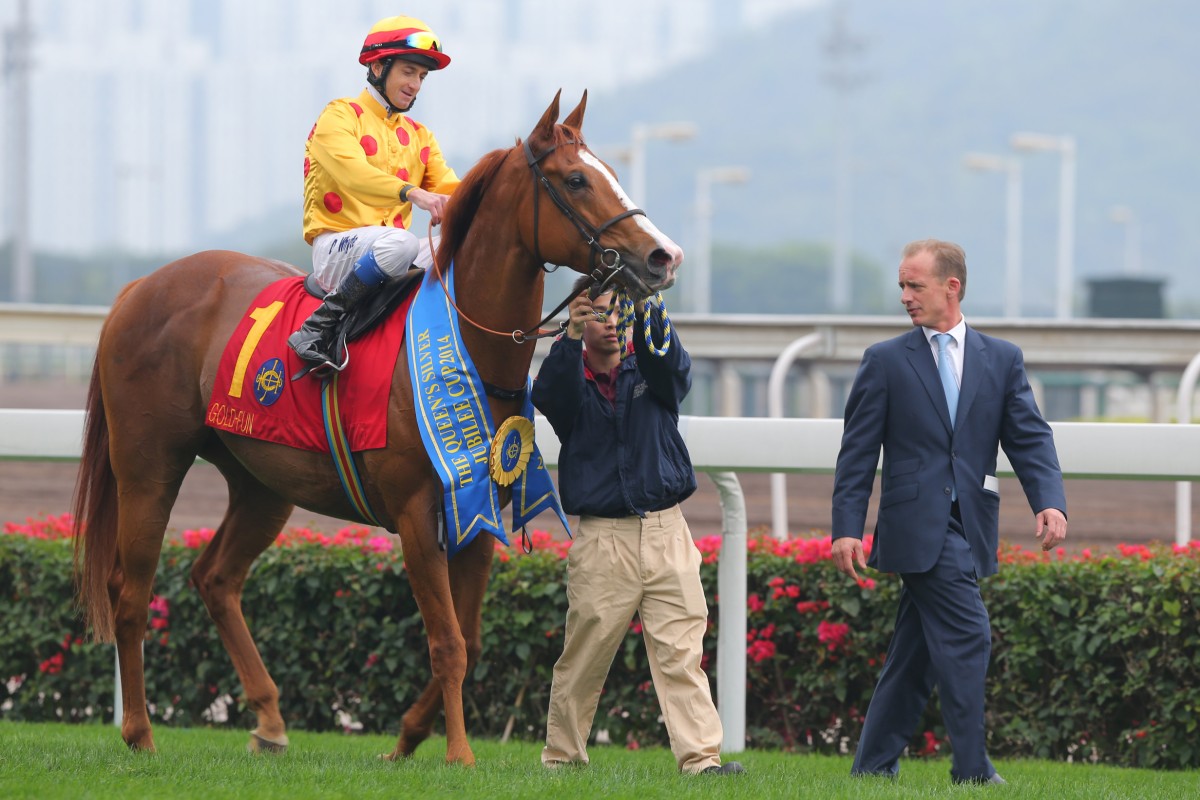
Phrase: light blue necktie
(946,373)
(949,384)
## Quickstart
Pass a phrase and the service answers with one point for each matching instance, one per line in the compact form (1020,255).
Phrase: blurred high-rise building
(158,124)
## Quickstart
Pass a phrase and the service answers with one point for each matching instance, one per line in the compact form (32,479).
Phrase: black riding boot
(315,342)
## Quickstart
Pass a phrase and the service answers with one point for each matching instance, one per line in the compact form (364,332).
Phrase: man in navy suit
(939,400)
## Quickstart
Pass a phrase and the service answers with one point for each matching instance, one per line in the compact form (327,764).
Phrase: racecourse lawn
(90,761)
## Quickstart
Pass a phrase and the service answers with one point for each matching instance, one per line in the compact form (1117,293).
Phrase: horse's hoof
(139,741)
(394,756)
(406,745)
(261,744)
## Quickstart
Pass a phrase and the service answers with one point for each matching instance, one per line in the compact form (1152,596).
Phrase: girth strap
(343,459)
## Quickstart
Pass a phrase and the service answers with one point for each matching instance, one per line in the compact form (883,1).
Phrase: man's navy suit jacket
(897,403)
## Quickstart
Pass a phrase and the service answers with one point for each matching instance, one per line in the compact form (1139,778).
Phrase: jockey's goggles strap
(417,40)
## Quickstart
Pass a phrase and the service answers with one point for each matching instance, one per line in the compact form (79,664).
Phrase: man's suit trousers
(942,637)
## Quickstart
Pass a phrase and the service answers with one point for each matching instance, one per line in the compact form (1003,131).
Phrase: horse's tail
(95,517)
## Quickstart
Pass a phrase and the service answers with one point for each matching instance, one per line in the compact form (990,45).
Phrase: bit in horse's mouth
(637,288)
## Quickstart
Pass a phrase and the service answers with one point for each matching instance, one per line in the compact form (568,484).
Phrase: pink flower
(195,539)
(760,650)
(379,544)
(754,603)
(52,665)
(832,634)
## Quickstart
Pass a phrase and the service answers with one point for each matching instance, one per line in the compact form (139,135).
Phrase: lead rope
(623,304)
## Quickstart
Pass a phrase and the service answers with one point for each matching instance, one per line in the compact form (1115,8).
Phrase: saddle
(371,310)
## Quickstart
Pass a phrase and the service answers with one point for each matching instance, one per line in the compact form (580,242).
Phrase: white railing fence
(721,446)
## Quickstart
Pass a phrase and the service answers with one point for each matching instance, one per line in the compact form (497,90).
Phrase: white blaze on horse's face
(668,255)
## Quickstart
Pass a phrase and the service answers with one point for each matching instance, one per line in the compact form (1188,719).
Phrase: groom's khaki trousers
(616,567)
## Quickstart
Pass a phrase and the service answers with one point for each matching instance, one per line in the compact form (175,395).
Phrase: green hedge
(1094,659)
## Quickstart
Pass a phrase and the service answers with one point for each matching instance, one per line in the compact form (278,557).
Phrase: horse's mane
(460,211)
(465,201)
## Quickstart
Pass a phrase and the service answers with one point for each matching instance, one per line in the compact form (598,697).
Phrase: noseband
(608,258)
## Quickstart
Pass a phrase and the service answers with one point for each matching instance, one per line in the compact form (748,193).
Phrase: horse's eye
(575,181)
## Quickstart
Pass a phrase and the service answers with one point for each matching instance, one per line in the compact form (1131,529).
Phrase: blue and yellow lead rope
(624,307)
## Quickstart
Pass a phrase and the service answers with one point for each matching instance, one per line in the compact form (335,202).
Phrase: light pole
(634,154)
(18,43)
(1011,167)
(1123,215)
(1065,147)
(843,50)
(701,272)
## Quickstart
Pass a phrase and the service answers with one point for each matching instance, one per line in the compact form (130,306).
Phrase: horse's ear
(575,118)
(545,126)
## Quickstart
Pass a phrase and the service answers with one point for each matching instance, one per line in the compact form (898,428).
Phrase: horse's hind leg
(253,520)
(142,515)
(468,574)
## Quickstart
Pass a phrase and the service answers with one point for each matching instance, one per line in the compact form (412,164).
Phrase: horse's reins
(609,259)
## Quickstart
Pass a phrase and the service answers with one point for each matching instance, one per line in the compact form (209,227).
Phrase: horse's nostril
(660,258)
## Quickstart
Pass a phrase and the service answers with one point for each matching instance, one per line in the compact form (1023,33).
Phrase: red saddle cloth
(255,396)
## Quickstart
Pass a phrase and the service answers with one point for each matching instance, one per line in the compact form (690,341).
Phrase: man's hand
(1051,527)
(435,204)
(847,552)
(581,312)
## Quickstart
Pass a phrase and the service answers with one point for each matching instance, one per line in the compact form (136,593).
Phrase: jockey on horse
(366,165)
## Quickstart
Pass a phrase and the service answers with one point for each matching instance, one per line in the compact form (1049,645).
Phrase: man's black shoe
(995,779)
(728,768)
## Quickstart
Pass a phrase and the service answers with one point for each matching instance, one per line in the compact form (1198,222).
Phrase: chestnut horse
(155,366)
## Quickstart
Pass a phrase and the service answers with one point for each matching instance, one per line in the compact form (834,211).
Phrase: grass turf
(90,761)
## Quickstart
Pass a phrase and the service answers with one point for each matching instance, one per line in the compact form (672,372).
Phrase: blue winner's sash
(455,424)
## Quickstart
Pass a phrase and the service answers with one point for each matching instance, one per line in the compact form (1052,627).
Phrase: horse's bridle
(608,258)
(596,280)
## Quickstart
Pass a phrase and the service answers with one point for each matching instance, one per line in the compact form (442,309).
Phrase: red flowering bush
(1083,647)
(1094,657)
(48,527)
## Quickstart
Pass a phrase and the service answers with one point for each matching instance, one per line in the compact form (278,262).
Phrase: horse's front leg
(468,574)
(429,576)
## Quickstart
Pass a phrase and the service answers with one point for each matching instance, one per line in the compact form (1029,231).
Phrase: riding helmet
(404,37)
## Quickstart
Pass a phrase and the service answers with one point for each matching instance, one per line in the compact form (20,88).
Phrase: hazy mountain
(943,78)
(939,79)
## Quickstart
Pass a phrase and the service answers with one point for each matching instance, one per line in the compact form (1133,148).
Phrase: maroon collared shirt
(606,382)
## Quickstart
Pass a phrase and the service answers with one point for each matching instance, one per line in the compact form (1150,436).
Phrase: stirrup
(322,368)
